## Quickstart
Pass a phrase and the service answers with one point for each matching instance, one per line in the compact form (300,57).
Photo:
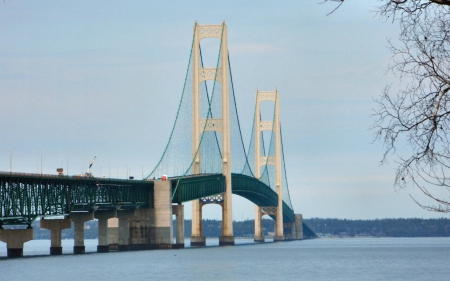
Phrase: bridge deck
(199,186)
(24,197)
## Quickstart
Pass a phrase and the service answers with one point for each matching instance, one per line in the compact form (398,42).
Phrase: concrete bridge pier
(278,238)
(113,234)
(152,228)
(197,239)
(294,230)
(14,239)
(279,235)
(78,219)
(179,212)
(259,238)
(142,227)
(227,238)
(298,226)
(55,226)
(124,228)
(102,217)
(141,236)
(163,228)
(289,230)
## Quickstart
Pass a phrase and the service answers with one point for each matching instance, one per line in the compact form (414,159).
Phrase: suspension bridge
(204,162)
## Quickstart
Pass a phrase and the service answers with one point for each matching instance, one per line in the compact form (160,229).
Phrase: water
(319,259)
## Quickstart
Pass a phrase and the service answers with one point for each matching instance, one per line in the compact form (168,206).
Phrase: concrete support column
(163,214)
(124,228)
(227,238)
(55,226)
(14,239)
(78,221)
(113,234)
(289,230)
(298,226)
(259,238)
(102,217)
(279,236)
(197,239)
(293,231)
(142,235)
(179,212)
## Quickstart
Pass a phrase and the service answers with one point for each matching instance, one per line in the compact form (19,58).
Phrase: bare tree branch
(413,122)
(416,118)
(393,6)
(340,1)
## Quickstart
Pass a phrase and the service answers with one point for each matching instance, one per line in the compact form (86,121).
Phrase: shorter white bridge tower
(273,160)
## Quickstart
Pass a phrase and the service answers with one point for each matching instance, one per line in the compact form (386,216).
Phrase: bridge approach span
(25,197)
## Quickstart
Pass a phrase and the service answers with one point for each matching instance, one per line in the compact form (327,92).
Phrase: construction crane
(88,171)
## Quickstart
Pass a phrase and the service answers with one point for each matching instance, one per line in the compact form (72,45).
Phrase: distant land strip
(380,227)
(413,227)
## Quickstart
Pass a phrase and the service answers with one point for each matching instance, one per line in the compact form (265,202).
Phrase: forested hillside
(382,227)
(323,227)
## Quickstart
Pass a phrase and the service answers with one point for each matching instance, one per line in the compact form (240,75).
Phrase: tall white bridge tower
(202,124)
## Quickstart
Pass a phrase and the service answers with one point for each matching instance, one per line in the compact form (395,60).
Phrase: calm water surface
(319,259)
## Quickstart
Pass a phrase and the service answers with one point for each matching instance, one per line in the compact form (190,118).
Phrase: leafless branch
(413,122)
(340,3)
(416,118)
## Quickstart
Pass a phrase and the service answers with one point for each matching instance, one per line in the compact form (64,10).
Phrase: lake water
(318,259)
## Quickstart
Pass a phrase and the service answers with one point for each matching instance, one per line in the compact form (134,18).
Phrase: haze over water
(318,259)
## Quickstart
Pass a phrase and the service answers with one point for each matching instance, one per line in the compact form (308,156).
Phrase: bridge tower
(273,160)
(221,125)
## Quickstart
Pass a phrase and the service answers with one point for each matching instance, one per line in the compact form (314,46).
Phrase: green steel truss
(25,197)
(259,193)
(195,187)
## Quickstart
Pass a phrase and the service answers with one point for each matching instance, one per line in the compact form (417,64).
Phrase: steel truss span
(25,197)
(196,187)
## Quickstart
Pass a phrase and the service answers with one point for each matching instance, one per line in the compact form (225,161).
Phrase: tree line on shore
(381,227)
(413,227)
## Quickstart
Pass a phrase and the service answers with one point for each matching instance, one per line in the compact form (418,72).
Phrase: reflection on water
(42,247)
(319,259)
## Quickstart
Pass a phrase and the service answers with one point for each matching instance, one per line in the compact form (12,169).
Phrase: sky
(85,78)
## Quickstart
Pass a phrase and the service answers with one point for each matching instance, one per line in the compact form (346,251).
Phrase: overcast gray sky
(85,78)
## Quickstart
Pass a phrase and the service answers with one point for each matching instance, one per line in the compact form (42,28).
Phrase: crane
(88,171)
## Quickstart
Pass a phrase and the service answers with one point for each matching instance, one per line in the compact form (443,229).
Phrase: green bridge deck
(195,187)
(25,197)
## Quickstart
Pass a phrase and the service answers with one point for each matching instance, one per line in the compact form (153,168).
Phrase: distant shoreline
(324,228)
